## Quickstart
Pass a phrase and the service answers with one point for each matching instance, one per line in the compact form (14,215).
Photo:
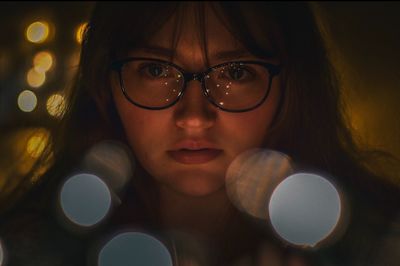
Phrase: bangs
(132,25)
(254,25)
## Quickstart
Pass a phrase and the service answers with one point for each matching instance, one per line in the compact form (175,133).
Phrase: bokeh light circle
(37,32)
(134,248)
(35,79)
(112,161)
(85,199)
(43,61)
(251,177)
(304,209)
(27,101)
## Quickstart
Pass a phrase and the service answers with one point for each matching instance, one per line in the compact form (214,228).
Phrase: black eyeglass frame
(273,70)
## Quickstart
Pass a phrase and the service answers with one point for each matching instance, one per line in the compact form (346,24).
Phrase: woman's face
(188,147)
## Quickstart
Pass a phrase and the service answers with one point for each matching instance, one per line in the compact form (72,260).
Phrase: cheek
(251,128)
(142,129)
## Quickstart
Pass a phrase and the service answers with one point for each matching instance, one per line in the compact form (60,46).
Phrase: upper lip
(194,144)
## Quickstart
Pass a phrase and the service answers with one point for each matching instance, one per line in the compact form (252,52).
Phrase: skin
(191,192)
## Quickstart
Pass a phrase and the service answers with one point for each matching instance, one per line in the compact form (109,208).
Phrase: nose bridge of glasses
(188,77)
(194,76)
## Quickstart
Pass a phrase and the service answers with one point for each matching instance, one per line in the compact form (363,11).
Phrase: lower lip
(194,157)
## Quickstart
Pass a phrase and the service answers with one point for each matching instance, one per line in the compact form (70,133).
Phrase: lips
(194,152)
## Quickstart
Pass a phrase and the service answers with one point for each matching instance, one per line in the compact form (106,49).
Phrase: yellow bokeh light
(27,101)
(79,32)
(37,32)
(42,61)
(35,79)
(37,143)
(56,105)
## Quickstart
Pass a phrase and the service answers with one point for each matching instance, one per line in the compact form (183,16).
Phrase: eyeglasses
(154,84)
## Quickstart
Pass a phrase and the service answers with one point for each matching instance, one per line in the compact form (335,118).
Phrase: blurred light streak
(80,30)
(37,143)
(56,105)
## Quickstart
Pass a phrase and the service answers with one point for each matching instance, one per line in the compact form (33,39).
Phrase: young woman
(189,87)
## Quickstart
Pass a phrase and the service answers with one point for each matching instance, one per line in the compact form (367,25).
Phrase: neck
(204,216)
(210,221)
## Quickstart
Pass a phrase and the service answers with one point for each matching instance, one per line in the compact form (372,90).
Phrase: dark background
(364,41)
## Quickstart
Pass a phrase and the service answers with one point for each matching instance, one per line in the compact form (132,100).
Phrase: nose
(194,112)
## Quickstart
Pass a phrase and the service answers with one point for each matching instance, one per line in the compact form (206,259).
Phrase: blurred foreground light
(42,61)
(1,254)
(188,249)
(85,199)
(56,105)
(305,209)
(112,161)
(80,30)
(37,32)
(37,143)
(34,78)
(27,101)
(251,178)
(134,248)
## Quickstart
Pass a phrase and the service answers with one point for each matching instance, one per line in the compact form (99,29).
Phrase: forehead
(196,34)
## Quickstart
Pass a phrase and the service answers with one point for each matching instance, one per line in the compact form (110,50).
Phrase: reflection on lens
(304,209)
(149,83)
(251,178)
(85,199)
(134,248)
(112,161)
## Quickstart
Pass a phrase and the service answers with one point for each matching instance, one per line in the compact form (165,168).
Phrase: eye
(157,70)
(237,73)
(154,70)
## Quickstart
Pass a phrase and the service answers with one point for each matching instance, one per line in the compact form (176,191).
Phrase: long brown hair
(310,126)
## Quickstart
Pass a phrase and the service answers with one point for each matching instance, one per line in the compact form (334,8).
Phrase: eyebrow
(219,55)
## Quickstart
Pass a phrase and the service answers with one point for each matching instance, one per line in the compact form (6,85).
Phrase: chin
(198,186)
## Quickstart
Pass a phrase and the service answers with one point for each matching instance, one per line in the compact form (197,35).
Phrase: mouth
(194,156)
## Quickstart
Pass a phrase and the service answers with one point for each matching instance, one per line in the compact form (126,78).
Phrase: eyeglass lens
(232,86)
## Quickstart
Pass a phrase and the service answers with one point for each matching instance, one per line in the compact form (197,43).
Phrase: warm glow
(34,78)
(37,143)
(56,105)
(79,32)
(27,101)
(37,32)
(42,62)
